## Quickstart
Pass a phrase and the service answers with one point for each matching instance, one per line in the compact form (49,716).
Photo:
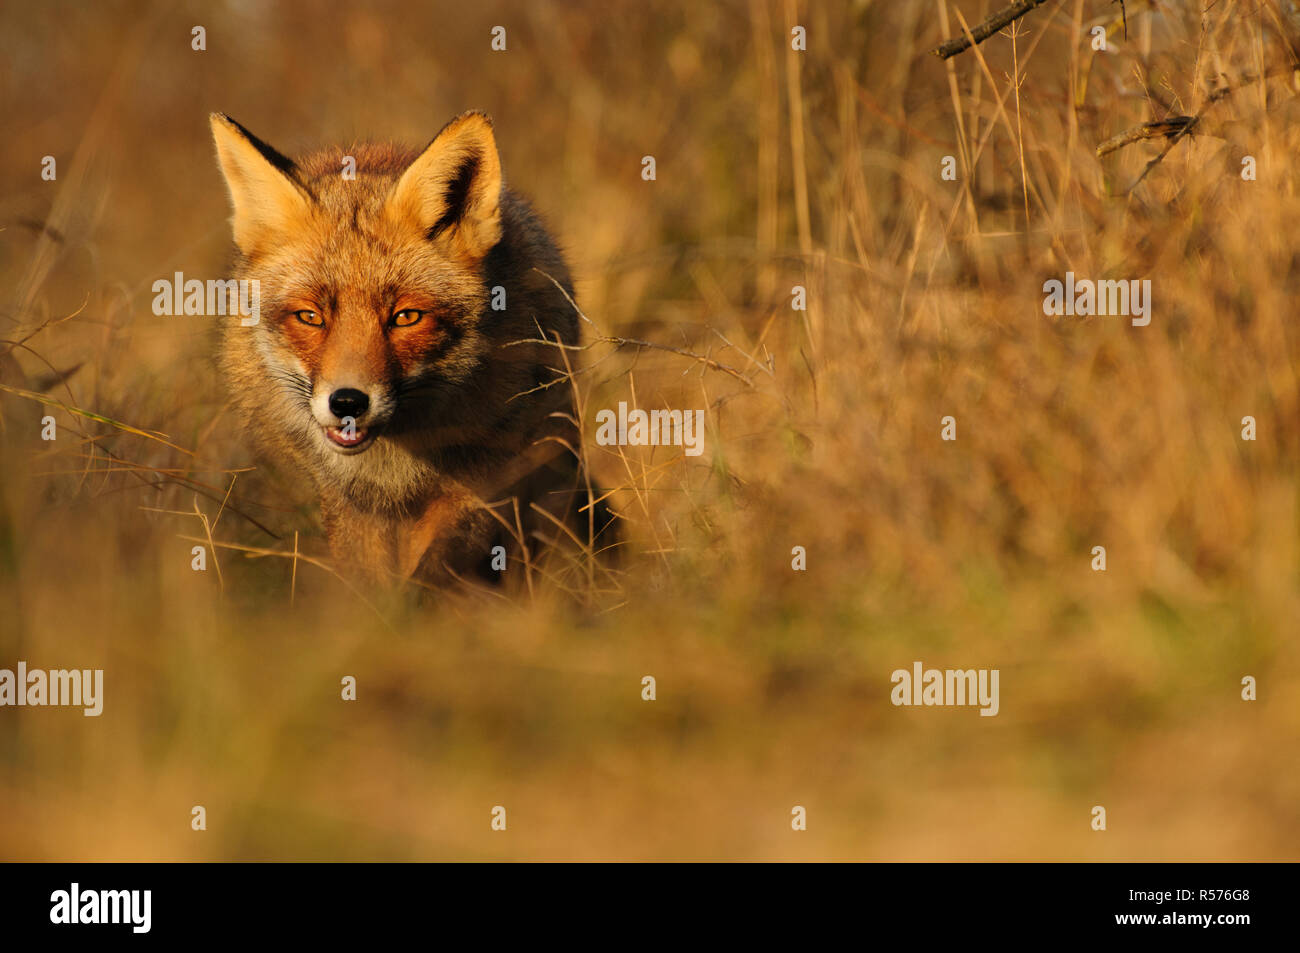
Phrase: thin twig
(261,551)
(207,529)
(1171,127)
(985,28)
(620,342)
(52,402)
(1173,141)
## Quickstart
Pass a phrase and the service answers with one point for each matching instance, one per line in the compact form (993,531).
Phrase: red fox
(408,352)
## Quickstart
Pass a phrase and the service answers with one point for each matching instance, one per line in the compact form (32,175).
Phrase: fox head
(371,266)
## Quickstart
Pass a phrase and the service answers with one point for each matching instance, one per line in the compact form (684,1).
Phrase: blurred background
(775,168)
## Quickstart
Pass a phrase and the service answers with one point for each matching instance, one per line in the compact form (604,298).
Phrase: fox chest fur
(412,329)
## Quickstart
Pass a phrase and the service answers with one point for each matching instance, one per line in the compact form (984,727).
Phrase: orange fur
(379,286)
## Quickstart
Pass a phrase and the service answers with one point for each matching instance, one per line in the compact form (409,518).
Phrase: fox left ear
(264,188)
(453,190)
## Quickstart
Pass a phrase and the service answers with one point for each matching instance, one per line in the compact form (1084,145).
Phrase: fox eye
(309,317)
(406,318)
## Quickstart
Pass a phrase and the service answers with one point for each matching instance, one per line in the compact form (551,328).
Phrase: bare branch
(985,28)
(1172,126)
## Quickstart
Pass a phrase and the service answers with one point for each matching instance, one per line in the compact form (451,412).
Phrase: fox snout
(349,402)
(351,417)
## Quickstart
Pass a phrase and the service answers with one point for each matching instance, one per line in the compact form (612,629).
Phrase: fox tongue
(347,440)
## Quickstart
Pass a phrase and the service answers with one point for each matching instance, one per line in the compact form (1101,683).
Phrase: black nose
(348,402)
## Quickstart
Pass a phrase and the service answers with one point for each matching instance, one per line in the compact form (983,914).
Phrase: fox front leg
(362,544)
(447,540)
(440,539)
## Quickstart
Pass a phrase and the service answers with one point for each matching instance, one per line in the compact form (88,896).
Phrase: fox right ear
(453,189)
(264,189)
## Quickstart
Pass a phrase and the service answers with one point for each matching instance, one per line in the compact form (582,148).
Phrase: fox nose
(348,402)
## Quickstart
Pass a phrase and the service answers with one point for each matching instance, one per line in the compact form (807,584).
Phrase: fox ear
(264,188)
(453,189)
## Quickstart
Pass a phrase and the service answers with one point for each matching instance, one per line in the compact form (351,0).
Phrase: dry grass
(775,169)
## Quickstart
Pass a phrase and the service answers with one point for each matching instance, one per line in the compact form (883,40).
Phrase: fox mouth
(354,441)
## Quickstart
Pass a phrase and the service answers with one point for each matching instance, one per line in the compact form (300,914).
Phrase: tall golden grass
(775,168)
